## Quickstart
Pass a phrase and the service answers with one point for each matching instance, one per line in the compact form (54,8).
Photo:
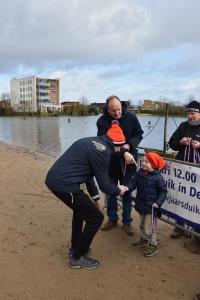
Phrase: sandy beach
(35,235)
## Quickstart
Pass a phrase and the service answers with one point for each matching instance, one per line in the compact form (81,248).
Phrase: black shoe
(109,225)
(83,262)
(128,229)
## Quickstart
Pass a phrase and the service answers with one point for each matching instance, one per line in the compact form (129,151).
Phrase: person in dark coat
(115,110)
(86,158)
(150,195)
(186,140)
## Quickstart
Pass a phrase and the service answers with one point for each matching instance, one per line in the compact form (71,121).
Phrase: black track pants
(83,210)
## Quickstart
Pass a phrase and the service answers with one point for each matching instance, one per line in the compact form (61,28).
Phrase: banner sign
(183,193)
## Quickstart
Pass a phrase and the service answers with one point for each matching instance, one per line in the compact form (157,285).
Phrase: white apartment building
(32,94)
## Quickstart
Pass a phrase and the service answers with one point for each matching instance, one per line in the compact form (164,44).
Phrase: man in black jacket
(186,140)
(86,158)
(114,110)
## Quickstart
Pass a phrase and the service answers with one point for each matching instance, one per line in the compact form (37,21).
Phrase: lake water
(53,135)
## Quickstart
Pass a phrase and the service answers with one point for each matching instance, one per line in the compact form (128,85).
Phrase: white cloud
(98,47)
(64,30)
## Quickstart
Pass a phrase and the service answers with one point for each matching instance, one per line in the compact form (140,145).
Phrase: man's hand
(195,144)
(123,189)
(99,204)
(155,205)
(129,159)
(185,141)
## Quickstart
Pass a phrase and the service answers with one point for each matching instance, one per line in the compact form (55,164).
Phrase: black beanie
(193,106)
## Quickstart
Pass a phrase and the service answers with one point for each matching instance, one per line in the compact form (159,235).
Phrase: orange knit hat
(155,160)
(115,133)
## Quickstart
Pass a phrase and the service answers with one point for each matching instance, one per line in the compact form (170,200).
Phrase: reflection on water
(53,135)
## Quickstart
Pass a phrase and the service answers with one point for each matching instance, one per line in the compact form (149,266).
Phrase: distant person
(150,195)
(116,110)
(186,140)
(86,158)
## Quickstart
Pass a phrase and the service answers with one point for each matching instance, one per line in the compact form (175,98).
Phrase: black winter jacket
(184,130)
(151,188)
(128,123)
(86,158)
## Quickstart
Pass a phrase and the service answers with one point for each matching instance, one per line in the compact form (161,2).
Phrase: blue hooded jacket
(151,188)
(84,159)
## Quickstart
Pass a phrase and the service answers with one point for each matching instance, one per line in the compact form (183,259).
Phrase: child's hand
(155,205)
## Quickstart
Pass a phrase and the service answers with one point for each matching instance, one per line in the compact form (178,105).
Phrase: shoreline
(26,150)
(35,236)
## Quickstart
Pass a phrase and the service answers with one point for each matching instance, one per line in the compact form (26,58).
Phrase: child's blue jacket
(151,188)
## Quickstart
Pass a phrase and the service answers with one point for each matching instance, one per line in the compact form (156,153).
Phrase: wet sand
(35,235)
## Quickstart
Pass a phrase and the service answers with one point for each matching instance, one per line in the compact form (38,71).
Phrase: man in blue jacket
(86,158)
(114,110)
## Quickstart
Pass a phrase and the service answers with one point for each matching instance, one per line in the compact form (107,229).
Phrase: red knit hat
(115,133)
(155,160)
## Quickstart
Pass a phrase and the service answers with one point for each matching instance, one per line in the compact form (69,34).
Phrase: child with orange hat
(151,193)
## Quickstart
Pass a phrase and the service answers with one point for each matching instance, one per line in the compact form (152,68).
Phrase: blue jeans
(112,208)
(112,205)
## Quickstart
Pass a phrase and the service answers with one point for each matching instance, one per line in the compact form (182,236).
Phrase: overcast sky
(136,49)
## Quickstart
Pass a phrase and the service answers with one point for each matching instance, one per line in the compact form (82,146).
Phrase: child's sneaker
(151,250)
(83,262)
(140,243)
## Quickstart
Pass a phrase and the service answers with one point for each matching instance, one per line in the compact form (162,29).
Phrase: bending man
(86,158)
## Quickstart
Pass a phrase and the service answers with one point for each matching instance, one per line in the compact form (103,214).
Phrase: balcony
(43,84)
(43,98)
(44,91)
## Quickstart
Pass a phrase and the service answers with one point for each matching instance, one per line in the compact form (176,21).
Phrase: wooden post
(165,128)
